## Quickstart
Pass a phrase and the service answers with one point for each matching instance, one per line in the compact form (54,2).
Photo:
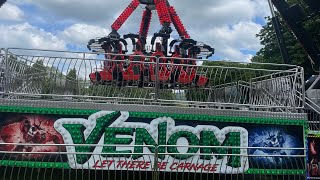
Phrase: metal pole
(6,72)
(2,66)
(303,87)
(78,79)
(155,164)
(157,84)
(271,8)
(279,35)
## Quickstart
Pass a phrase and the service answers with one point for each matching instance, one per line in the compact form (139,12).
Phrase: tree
(223,75)
(36,73)
(270,53)
(72,82)
(11,71)
(39,77)
(13,63)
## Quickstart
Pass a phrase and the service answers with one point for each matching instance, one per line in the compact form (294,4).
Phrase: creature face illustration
(32,132)
(275,140)
(23,131)
(269,140)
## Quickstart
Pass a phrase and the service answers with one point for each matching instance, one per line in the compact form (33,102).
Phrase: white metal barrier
(229,163)
(29,74)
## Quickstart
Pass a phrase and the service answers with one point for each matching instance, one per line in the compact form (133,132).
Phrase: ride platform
(80,114)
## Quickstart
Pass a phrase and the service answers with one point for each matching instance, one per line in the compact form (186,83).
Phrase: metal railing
(49,161)
(313,112)
(62,76)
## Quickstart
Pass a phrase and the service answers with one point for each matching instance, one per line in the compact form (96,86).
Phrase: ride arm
(178,23)
(125,15)
(124,42)
(206,49)
(155,36)
(133,38)
(163,12)
(164,17)
(187,43)
(145,23)
(172,43)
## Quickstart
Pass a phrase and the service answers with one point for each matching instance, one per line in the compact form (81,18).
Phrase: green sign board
(119,140)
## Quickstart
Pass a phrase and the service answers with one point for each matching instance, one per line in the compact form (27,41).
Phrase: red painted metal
(163,11)
(178,23)
(184,72)
(145,23)
(164,72)
(125,15)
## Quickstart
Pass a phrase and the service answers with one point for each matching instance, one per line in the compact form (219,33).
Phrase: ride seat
(164,70)
(134,70)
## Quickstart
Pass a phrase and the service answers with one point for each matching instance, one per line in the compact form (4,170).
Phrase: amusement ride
(175,64)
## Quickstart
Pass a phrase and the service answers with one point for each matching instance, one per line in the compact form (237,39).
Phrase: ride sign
(150,141)
(139,140)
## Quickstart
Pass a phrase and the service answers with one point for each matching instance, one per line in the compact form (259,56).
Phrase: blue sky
(227,25)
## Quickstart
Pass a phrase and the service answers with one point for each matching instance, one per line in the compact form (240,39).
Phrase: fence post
(6,72)
(155,164)
(303,90)
(156,96)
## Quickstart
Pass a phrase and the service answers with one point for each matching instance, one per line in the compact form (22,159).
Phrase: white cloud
(80,34)
(261,8)
(227,25)
(87,11)
(240,36)
(11,12)
(27,36)
(230,53)
(231,40)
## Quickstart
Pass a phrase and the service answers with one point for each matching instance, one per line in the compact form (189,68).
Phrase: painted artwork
(313,155)
(283,139)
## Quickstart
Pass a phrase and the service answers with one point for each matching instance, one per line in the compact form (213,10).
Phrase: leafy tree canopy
(270,53)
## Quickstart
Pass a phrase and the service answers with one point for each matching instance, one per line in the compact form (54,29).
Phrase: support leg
(125,15)
(165,20)
(145,25)
(178,23)
(163,12)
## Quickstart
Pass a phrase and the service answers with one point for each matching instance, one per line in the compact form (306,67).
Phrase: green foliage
(72,82)
(127,92)
(36,73)
(14,63)
(14,66)
(220,74)
(270,53)
(40,77)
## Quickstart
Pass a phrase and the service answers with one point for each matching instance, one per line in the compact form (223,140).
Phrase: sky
(230,26)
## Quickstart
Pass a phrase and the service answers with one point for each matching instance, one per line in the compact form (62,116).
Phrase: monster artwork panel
(29,133)
(313,152)
(284,139)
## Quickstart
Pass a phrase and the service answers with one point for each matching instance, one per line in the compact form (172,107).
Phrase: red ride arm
(178,23)
(163,12)
(145,23)
(125,15)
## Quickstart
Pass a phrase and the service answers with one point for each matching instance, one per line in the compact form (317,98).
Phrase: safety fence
(52,161)
(313,112)
(28,74)
(77,80)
